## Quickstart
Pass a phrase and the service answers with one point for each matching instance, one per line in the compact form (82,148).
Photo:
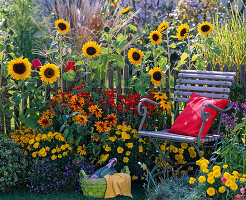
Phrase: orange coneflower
(76,102)
(101,127)
(94,109)
(81,119)
(44,121)
(111,120)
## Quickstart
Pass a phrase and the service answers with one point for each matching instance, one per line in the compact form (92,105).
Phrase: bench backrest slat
(212,84)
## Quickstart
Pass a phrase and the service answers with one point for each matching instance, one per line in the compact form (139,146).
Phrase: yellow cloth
(118,184)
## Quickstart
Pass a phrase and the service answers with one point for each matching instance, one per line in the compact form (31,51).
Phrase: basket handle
(82,174)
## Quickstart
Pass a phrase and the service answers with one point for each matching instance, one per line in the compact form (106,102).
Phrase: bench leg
(163,157)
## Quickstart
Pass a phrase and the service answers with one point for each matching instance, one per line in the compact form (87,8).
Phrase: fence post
(119,80)
(209,67)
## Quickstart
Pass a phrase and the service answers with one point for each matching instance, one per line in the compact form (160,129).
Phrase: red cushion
(189,121)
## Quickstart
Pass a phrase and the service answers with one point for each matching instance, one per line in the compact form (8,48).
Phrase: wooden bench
(212,84)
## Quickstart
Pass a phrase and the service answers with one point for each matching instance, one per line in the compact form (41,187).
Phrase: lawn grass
(137,192)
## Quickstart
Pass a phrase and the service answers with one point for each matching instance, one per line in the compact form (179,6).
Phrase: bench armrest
(205,117)
(143,110)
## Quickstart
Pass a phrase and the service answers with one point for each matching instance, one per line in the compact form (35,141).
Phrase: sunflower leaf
(173,45)
(216,50)
(69,76)
(133,28)
(122,44)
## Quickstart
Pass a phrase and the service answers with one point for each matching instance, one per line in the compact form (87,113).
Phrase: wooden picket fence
(117,79)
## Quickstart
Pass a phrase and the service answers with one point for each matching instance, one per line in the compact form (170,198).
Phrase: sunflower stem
(189,49)
(124,55)
(61,63)
(169,62)
(154,56)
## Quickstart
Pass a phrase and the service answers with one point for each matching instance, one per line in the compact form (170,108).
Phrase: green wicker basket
(95,187)
(92,187)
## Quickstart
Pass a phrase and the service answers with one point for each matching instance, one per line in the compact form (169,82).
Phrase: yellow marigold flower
(211,191)
(216,167)
(234,186)
(225,166)
(47,148)
(222,189)
(128,153)
(129,145)
(64,153)
(31,141)
(210,180)
(53,157)
(59,156)
(242,180)
(184,145)
(63,147)
(134,177)
(36,145)
(112,139)
(236,174)
(202,179)
(202,152)
(107,148)
(125,136)
(181,151)
(175,150)
(227,175)
(217,173)
(125,159)
(211,174)
(228,183)
(120,149)
(192,180)
(53,151)
(140,149)
(34,154)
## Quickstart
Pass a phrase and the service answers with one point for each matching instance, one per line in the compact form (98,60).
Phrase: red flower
(36,64)
(80,95)
(121,97)
(104,102)
(87,99)
(144,126)
(129,96)
(114,91)
(136,96)
(75,88)
(101,100)
(151,93)
(81,86)
(113,105)
(111,101)
(120,108)
(70,66)
(91,103)
(238,196)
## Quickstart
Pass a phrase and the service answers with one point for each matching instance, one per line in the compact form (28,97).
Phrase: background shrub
(13,164)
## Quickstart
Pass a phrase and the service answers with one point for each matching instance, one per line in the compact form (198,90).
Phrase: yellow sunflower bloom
(62,26)
(155,37)
(19,68)
(49,73)
(163,26)
(91,50)
(156,75)
(135,56)
(125,10)
(183,31)
(205,28)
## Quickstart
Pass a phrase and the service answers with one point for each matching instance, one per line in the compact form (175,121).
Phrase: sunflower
(205,28)
(62,26)
(160,95)
(81,119)
(182,31)
(44,121)
(91,49)
(124,11)
(155,37)
(156,75)
(19,68)
(163,26)
(111,120)
(49,73)
(100,126)
(135,56)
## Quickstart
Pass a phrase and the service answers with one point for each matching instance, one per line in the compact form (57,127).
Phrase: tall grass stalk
(230,37)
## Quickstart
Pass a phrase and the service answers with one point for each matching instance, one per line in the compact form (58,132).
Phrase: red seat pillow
(189,121)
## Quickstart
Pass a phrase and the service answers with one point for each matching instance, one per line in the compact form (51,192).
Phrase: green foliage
(19,18)
(175,188)
(227,44)
(13,164)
